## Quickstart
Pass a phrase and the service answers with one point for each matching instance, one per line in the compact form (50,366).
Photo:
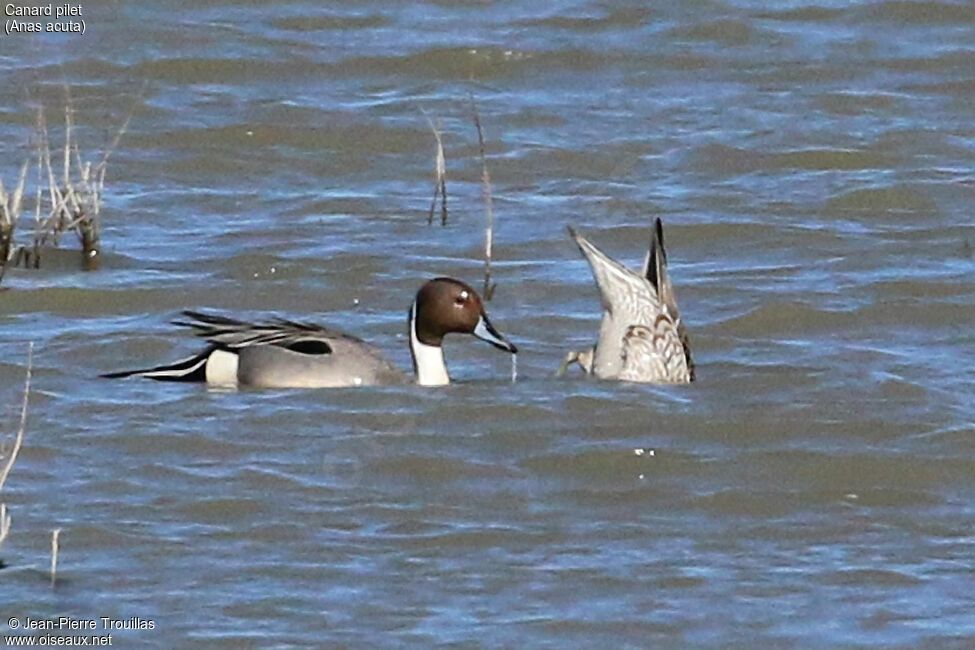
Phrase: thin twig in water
(100,168)
(439,177)
(488,206)
(55,548)
(19,439)
(4,525)
(11,456)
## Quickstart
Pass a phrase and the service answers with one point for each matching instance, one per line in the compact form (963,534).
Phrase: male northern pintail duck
(286,354)
(641,337)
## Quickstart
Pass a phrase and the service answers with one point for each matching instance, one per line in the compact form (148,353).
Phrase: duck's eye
(461,298)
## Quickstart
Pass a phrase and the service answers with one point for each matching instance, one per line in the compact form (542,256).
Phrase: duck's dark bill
(485,331)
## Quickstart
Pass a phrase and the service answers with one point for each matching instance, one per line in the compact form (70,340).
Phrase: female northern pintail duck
(285,354)
(641,337)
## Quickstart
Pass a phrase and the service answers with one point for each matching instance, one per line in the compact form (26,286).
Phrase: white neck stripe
(428,360)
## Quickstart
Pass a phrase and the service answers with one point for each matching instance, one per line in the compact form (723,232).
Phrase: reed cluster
(67,197)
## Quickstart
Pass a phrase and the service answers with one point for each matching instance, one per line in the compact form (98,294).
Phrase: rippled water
(813,165)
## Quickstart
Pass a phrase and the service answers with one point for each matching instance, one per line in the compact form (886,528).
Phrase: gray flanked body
(641,335)
(287,354)
(350,363)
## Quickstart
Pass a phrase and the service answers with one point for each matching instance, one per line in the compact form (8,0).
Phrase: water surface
(812,163)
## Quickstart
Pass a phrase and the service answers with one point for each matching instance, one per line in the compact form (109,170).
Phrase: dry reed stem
(11,456)
(439,175)
(10,206)
(19,439)
(489,288)
(55,548)
(53,225)
(4,525)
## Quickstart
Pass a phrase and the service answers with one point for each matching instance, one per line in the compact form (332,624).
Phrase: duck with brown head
(442,306)
(287,354)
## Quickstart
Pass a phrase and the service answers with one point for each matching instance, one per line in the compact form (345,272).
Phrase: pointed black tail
(191,369)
